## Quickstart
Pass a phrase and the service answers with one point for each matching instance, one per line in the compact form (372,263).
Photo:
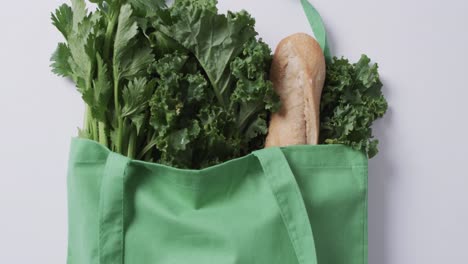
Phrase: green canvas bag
(298,204)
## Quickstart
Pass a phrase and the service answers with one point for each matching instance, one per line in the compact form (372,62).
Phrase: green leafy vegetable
(180,85)
(60,59)
(63,20)
(351,101)
(214,39)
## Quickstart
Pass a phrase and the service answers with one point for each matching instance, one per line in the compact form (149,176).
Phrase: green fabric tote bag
(292,205)
(300,204)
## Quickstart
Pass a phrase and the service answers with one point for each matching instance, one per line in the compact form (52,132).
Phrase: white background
(418,184)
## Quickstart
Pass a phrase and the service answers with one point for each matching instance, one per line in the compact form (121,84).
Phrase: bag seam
(122,232)
(364,217)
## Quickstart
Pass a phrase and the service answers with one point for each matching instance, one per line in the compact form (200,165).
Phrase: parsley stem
(149,146)
(90,125)
(102,133)
(86,119)
(107,49)
(109,34)
(117,114)
(132,144)
(94,127)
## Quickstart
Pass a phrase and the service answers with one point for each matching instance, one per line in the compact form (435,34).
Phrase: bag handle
(283,184)
(318,27)
(111,210)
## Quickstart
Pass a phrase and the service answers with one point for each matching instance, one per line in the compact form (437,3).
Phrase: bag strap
(111,210)
(318,27)
(290,201)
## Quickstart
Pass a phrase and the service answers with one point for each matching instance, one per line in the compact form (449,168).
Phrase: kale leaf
(352,100)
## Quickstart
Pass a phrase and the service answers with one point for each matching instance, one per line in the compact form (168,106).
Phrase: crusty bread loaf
(298,75)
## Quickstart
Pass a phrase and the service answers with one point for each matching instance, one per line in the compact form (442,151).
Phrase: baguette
(298,76)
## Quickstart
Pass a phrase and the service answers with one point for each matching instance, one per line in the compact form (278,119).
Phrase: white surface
(418,197)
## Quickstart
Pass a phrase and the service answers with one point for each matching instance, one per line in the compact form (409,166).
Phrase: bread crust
(298,76)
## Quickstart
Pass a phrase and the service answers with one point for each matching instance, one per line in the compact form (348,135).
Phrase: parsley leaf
(60,61)
(62,19)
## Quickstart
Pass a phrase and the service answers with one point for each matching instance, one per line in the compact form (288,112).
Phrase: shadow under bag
(298,204)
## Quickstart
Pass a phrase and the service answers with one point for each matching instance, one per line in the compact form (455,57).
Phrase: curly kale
(352,100)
